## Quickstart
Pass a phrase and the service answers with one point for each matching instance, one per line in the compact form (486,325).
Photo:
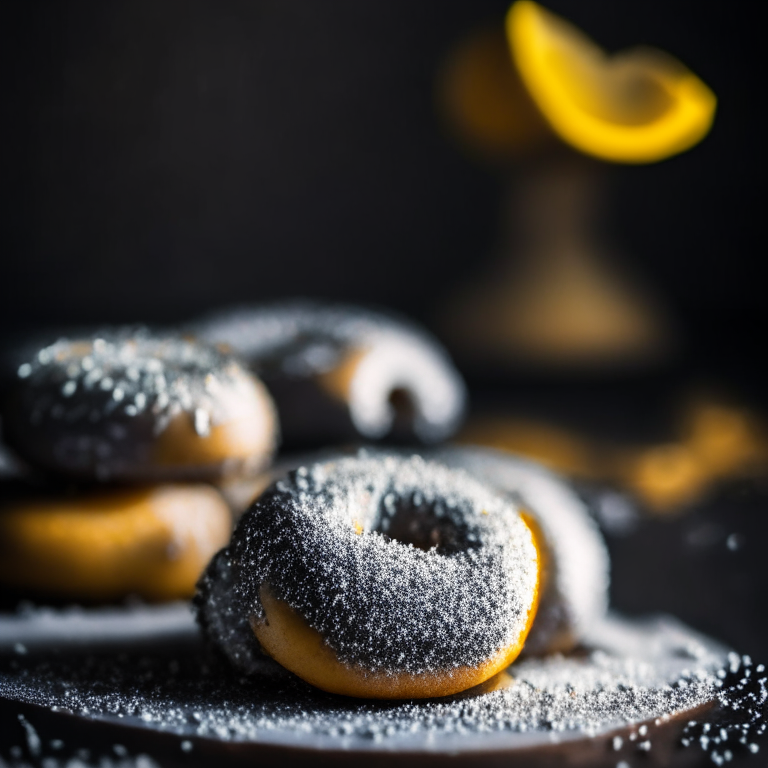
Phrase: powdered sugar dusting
(328,539)
(302,339)
(576,593)
(91,401)
(643,673)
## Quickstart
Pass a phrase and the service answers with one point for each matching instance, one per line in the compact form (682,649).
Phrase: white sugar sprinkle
(358,588)
(89,385)
(627,683)
(303,339)
(202,422)
(576,595)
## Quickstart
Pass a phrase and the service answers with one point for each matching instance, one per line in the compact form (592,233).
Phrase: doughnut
(377,577)
(342,372)
(129,405)
(98,546)
(575,573)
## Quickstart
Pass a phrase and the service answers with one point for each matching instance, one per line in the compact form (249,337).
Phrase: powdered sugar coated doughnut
(376,576)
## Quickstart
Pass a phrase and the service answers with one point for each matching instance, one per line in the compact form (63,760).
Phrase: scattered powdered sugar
(303,339)
(34,744)
(330,539)
(742,693)
(643,674)
(90,401)
(577,564)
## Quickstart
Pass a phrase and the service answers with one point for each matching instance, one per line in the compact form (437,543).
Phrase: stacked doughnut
(383,575)
(124,432)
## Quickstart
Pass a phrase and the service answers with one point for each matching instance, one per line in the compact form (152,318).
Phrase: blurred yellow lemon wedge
(635,107)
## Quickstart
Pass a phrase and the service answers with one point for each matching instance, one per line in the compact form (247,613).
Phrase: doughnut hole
(395,388)
(151,542)
(403,408)
(420,526)
(392,410)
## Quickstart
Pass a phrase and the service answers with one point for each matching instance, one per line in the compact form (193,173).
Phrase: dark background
(163,158)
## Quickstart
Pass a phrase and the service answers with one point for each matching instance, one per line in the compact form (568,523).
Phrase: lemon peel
(639,106)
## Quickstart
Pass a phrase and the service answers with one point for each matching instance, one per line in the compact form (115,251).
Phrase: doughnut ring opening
(377,577)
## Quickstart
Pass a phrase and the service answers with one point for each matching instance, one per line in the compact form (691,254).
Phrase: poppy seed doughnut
(575,577)
(129,405)
(344,372)
(379,577)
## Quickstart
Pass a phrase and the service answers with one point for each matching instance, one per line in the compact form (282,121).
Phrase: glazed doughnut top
(330,540)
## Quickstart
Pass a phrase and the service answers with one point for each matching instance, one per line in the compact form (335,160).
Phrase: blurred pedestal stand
(549,108)
(555,298)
